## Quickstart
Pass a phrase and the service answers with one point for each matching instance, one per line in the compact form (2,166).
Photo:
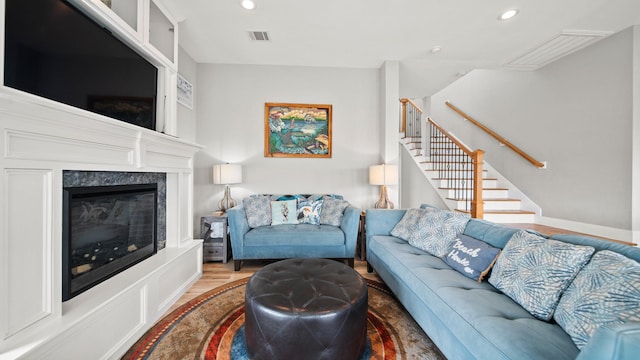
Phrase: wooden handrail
(413,104)
(451,137)
(502,140)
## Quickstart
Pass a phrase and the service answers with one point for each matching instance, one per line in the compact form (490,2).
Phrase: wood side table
(214,230)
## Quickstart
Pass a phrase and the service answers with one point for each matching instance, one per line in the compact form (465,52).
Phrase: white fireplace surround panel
(38,141)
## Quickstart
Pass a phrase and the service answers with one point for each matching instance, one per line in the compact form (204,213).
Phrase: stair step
(500,193)
(451,182)
(490,204)
(508,216)
(452,166)
(458,172)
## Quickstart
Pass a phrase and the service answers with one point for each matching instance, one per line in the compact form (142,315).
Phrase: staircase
(453,183)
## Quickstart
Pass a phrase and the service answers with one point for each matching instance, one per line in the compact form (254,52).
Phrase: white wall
(576,114)
(416,190)
(389,123)
(187,67)
(635,200)
(230,123)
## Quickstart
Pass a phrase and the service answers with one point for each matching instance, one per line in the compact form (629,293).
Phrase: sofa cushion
(289,197)
(407,225)
(471,257)
(606,291)
(496,235)
(295,235)
(284,212)
(436,230)
(332,211)
(534,271)
(309,211)
(258,210)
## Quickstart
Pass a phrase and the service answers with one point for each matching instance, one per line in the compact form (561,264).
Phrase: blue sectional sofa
(467,319)
(293,240)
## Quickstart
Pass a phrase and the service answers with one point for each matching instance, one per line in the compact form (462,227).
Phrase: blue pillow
(284,212)
(309,211)
(407,225)
(606,291)
(289,197)
(258,210)
(436,230)
(534,271)
(471,257)
(332,211)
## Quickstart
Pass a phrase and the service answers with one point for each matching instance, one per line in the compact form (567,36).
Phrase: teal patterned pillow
(332,211)
(258,210)
(534,271)
(309,211)
(407,225)
(284,212)
(436,230)
(606,291)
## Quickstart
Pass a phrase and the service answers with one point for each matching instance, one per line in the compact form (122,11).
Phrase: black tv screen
(55,51)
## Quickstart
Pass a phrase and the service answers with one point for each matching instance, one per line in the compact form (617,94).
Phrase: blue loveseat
(467,319)
(293,240)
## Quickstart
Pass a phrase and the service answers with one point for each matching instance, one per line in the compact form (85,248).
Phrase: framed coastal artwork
(297,130)
(184,92)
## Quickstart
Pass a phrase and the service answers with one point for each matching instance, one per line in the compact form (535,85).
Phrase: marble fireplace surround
(39,142)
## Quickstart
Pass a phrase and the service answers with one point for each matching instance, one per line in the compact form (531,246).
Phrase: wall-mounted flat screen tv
(55,51)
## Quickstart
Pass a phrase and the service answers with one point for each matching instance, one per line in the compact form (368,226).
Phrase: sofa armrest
(382,221)
(620,342)
(349,225)
(238,227)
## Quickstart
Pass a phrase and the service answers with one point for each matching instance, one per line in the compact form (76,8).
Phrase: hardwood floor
(215,274)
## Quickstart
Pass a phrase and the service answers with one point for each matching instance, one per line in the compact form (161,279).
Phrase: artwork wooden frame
(297,130)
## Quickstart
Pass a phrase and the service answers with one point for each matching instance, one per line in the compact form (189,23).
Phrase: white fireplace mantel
(39,140)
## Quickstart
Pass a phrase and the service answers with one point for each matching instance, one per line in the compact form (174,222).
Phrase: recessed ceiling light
(508,14)
(248,4)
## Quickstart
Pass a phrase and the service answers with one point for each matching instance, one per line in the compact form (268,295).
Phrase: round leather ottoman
(306,309)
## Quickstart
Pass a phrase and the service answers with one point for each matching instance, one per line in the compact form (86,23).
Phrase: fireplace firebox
(106,229)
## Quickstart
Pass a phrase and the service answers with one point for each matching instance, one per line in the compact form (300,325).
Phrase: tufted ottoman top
(306,308)
(306,286)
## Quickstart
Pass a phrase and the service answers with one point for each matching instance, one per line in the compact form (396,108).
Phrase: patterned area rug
(211,326)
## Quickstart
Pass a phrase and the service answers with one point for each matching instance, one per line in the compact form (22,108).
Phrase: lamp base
(383,202)
(227,201)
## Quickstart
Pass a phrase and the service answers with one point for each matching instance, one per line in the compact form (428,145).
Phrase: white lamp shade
(227,174)
(383,174)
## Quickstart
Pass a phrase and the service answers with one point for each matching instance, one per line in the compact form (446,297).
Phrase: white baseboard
(597,230)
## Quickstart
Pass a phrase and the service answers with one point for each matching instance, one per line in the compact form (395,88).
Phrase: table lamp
(383,175)
(227,174)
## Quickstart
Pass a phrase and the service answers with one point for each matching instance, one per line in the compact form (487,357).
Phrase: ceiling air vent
(567,42)
(258,35)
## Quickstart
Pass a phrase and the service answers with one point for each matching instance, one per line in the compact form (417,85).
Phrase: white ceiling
(365,33)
